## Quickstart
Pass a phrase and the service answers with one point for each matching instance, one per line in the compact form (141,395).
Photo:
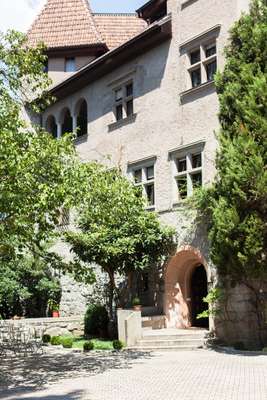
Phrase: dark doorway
(82,120)
(67,123)
(199,289)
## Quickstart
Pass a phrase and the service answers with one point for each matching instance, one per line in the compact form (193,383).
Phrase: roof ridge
(115,13)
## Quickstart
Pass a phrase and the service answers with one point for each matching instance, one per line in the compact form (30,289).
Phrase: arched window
(51,126)
(82,127)
(67,122)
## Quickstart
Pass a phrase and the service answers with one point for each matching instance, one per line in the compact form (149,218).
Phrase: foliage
(88,346)
(96,320)
(46,338)
(118,345)
(55,340)
(237,202)
(116,232)
(136,301)
(26,284)
(67,342)
(38,174)
(53,305)
(213,299)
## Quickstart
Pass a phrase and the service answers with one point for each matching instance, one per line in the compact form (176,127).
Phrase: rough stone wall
(238,321)
(52,326)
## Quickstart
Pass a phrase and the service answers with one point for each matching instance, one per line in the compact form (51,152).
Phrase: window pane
(138,176)
(119,112)
(129,108)
(182,187)
(70,65)
(211,69)
(196,180)
(118,94)
(196,77)
(211,50)
(196,160)
(150,172)
(195,56)
(181,164)
(150,194)
(129,90)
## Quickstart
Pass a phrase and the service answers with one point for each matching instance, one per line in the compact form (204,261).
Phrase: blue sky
(19,14)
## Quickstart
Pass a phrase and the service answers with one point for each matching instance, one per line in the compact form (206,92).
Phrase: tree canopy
(237,202)
(115,230)
(37,173)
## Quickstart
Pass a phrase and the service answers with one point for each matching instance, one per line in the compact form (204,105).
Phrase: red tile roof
(64,23)
(116,29)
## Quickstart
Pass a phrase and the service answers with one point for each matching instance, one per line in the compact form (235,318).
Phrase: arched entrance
(186,284)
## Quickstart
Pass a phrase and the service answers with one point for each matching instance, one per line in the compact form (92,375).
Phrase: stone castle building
(140,88)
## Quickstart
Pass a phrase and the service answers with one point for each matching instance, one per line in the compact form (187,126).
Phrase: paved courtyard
(192,375)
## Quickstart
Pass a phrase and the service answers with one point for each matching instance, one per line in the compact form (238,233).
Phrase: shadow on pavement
(27,374)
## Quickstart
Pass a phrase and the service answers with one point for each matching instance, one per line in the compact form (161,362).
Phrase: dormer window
(70,64)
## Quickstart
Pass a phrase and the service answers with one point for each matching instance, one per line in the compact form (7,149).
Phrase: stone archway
(178,304)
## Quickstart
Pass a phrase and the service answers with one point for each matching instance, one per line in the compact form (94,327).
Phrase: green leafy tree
(237,202)
(37,173)
(115,230)
(38,176)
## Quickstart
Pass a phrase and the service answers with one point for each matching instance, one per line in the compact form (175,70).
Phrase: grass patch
(100,344)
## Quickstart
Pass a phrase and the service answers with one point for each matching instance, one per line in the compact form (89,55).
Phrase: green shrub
(46,338)
(55,341)
(136,301)
(96,320)
(67,342)
(118,345)
(88,346)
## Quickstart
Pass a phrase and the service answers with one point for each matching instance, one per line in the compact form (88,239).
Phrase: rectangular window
(70,64)
(124,104)
(202,64)
(187,172)
(144,177)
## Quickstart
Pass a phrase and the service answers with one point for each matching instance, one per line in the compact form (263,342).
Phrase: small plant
(67,342)
(46,339)
(118,345)
(55,341)
(136,301)
(53,305)
(88,346)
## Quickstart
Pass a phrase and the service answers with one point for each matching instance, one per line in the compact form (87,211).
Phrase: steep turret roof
(65,23)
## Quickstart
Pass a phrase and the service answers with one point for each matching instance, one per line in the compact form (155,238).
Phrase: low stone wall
(52,326)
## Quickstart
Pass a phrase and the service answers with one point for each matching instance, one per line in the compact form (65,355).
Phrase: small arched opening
(51,126)
(67,125)
(186,284)
(82,118)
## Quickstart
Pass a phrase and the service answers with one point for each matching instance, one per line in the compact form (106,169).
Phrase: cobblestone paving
(192,375)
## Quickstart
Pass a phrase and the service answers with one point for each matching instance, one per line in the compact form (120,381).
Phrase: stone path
(192,375)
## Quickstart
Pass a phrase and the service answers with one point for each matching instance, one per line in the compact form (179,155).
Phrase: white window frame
(144,183)
(124,100)
(186,152)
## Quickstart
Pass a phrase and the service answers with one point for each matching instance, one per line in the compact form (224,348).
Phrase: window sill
(186,3)
(197,89)
(118,124)
(81,139)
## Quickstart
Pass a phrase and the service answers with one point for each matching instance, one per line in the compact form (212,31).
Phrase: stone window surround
(186,151)
(143,164)
(200,41)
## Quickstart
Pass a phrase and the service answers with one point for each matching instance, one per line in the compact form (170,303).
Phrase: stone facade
(171,120)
